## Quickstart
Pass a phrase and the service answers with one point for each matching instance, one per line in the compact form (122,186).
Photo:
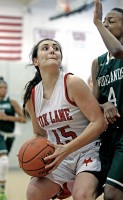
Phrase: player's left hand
(59,155)
(97,11)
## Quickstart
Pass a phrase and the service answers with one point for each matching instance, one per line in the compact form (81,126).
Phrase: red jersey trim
(33,98)
(65,89)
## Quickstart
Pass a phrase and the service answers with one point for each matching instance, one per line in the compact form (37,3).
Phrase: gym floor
(17,183)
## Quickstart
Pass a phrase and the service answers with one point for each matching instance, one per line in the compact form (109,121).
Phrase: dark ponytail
(29,86)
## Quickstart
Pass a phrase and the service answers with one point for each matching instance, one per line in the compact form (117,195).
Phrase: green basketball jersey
(110,81)
(7,108)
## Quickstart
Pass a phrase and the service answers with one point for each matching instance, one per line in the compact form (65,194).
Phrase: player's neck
(110,56)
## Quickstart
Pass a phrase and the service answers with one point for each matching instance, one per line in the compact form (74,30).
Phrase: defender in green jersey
(107,76)
(10,112)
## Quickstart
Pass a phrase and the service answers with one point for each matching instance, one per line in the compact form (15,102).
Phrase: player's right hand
(111,113)
(97,11)
(58,156)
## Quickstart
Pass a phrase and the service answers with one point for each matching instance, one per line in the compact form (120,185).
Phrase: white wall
(77,58)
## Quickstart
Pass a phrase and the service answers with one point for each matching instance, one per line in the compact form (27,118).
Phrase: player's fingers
(98,5)
(50,157)
(114,117)
(49,166)
(114,114)
(51,170)
(107,116)
(118,115)
(111,115)
(106,121)
(53,165)
(114,111)
(51,144)
(110,120)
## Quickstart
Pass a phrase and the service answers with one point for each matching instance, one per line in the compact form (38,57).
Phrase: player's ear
(35,61)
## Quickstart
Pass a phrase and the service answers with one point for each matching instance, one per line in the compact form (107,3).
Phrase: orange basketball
(31,156)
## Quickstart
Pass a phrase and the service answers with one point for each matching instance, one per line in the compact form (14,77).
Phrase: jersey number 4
(112,97)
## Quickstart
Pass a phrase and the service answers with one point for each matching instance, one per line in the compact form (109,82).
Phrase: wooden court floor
(17,184)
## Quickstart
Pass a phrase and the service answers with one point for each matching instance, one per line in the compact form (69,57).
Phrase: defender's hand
(110,112)
(97,11)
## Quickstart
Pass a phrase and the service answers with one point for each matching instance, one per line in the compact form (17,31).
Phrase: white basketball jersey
(59,116)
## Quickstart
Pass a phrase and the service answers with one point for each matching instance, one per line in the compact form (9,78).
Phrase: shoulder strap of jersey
(101,59)
(9,101)
(33,97)
(65,89)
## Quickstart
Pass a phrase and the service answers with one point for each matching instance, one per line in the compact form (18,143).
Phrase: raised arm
(113,45)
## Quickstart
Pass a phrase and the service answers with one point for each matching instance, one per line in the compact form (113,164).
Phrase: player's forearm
(16,119)
(93,131)
(112,44)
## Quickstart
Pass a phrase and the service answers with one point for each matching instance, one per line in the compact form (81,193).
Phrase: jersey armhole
(33,98)
(65,89)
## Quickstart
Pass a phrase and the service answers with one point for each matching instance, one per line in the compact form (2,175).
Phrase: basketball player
(107,85)
(63,108)
(8,109)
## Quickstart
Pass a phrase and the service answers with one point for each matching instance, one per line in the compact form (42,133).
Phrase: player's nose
(105,24)
(51,50)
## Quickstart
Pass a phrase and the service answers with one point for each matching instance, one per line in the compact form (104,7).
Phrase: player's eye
(44,48)
(111,21)
(56,48)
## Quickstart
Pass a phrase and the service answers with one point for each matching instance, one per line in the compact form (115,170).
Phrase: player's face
(3,90)
(114,23)
(48,55)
